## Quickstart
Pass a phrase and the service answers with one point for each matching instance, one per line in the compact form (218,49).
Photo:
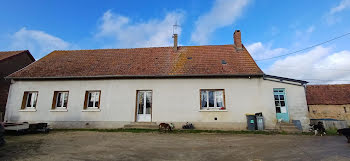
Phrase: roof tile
(337,94)
(7,54)
(156,61)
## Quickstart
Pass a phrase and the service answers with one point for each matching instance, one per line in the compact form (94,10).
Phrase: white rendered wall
(174,100)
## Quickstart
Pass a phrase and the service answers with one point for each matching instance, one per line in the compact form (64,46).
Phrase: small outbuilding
(329,101)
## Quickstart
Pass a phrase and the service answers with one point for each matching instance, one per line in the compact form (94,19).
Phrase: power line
(288,66)
(325,80)
(324,42)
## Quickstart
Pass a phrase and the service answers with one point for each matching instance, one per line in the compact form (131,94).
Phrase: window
(29,100)
(92,100)
(212,99)
(60,100)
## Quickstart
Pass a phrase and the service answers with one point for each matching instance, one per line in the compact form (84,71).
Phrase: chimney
(237,40)
(175,42)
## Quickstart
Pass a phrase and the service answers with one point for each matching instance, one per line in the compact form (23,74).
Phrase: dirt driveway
(89,145)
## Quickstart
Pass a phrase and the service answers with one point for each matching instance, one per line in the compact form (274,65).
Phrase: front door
(144,106)
(281,105)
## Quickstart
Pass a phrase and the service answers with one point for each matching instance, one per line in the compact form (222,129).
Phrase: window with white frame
(212,99)
(92,99)
(31,99)
(61,99)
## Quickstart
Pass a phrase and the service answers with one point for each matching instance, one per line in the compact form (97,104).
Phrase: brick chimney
(237,39)
(175,42)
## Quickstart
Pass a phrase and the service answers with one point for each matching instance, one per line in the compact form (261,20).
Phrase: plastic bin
(251,122)
(260,122)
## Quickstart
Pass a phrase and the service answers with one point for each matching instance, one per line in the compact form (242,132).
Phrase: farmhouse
(329,101)
(10,61)
(212,86)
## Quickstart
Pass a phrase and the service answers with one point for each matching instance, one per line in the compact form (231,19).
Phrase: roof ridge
(140,48)
(13,51)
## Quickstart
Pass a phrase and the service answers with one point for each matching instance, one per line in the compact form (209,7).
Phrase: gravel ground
(90,145)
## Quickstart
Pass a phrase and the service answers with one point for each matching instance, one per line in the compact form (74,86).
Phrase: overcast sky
(269,28)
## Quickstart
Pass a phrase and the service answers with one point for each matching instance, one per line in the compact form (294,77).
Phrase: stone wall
(339,112)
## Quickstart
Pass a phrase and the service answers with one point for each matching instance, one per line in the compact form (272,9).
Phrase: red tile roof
(338,94)
(156,61)
(7,54)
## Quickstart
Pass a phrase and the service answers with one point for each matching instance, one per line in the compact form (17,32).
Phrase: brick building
(10,61)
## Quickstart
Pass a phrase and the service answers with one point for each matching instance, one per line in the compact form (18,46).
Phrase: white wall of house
(174,100)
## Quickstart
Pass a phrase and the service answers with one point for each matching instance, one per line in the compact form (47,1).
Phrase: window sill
(28,110)
(91,110)
(59,110)
(213,110)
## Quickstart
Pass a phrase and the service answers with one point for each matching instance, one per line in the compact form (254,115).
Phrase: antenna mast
(175,26)
(175,35)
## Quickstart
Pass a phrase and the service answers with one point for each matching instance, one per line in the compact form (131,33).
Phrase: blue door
(280,104)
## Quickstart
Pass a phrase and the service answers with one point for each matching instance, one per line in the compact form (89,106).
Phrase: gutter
(140,77)
(284,80)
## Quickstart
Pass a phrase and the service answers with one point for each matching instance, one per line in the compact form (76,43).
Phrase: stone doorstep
(141,125)
(286,124)
(288,127)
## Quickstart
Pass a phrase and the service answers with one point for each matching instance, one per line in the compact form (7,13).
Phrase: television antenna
(175,26)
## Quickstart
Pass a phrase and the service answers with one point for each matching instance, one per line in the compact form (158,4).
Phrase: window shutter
(24,101)
(99,99)
(54,99)
(86,99)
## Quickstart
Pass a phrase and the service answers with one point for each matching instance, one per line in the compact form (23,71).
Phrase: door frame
(137,91)
(285,101)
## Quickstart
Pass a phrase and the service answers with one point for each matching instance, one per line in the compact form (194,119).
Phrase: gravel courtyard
(90,145)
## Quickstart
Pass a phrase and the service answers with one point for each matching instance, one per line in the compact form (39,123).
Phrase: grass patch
(111,130)
(332,131)
(185,131)
(226,132)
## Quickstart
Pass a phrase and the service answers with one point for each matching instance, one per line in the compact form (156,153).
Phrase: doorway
(281,104)
(144,106)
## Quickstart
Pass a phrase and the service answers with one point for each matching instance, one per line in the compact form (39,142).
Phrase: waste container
(251,122)
(260,122)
